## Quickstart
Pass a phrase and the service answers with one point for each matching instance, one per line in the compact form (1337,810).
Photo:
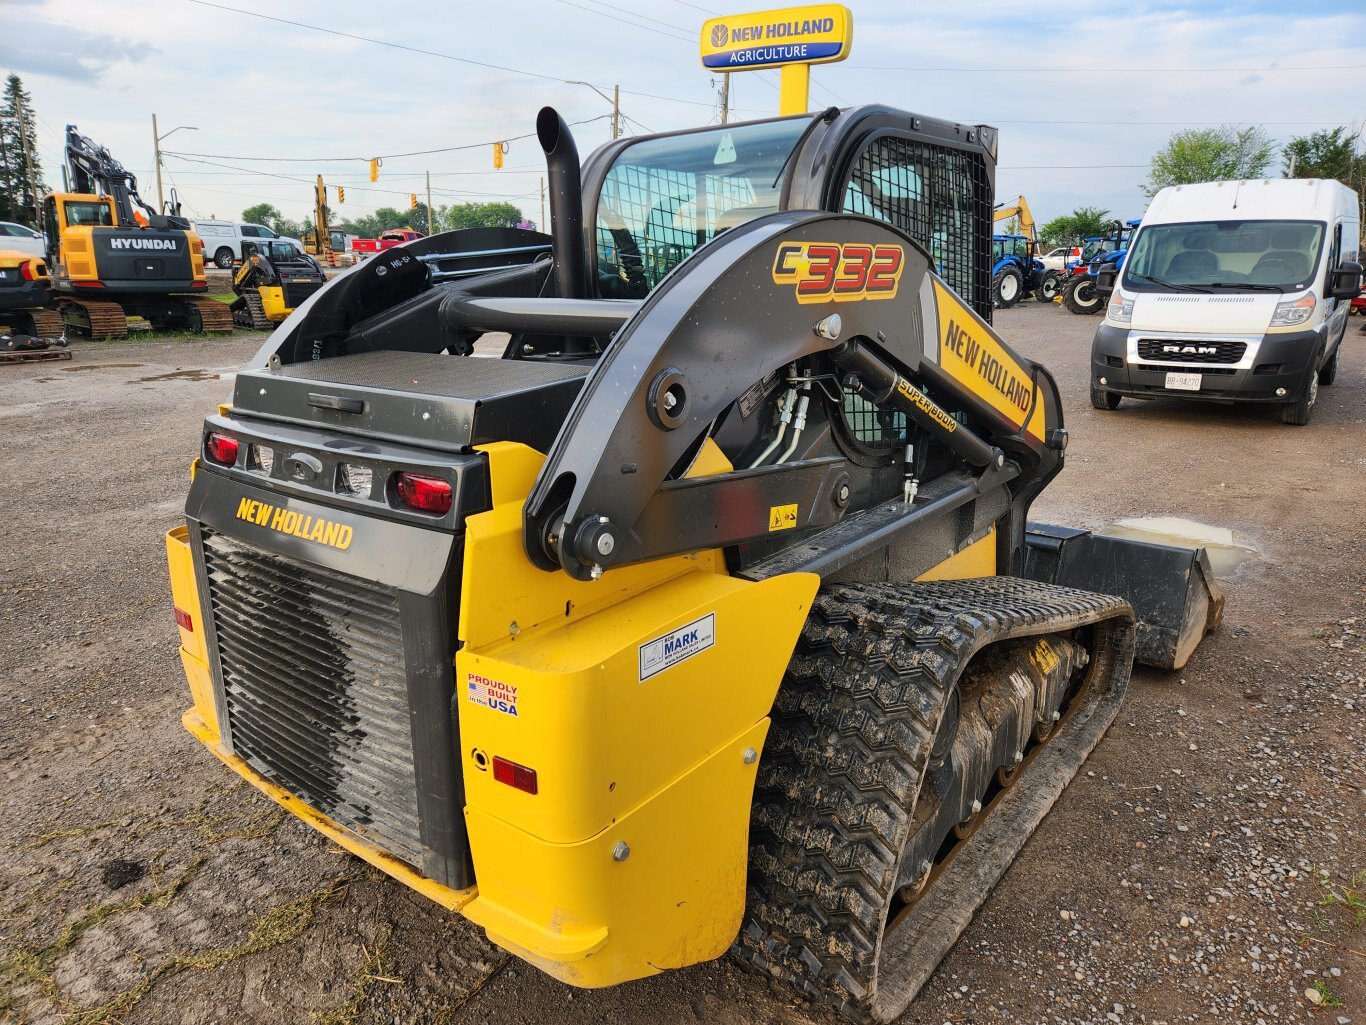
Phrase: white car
(223,239)
(15,238)
(1057,259)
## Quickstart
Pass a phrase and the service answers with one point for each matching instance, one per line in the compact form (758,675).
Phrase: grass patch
(282,924)
(1349,897)
(1326,999)
(372,970)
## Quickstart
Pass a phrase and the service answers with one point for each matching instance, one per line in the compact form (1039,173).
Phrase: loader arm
(688,353)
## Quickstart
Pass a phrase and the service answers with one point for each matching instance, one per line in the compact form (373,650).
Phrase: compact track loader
(666,585)
(274,279)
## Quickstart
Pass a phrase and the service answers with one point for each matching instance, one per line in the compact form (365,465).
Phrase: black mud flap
(1172,590)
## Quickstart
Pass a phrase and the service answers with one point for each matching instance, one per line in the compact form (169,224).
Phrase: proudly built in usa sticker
(677,646)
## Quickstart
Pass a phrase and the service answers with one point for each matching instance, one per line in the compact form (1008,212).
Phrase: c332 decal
(842,272)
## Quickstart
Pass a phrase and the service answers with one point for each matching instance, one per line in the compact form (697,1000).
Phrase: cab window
(941,197)
(85,214)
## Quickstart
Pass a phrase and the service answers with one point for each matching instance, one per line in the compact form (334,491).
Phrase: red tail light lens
(514,775)
(222,449)
(427,494)
(88,284)
(26,270)
(183,618)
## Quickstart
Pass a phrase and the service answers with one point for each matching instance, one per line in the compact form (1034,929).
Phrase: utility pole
(429,202)
(616,111)
(28,156)
(542,224)
(156,149)
(725,97)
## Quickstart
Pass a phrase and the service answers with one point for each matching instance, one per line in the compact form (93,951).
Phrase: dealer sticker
(677,646)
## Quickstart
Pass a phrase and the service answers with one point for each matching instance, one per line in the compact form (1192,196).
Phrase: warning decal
(782,517)
(677,646)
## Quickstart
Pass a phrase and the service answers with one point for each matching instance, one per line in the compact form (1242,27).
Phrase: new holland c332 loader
(706,614)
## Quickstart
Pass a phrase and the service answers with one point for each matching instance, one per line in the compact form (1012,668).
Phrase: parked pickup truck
(387,240)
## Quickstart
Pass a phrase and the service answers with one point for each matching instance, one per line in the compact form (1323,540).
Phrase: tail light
(222,449)
(26,270)
(517,776)
(88,284)
(183,618)
(426,494)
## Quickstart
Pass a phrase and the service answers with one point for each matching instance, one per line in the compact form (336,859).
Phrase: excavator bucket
(1173,590)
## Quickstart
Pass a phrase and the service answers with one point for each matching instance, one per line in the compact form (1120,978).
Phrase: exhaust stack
(566,202)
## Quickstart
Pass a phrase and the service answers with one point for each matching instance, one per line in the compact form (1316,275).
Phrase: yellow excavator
(112,256)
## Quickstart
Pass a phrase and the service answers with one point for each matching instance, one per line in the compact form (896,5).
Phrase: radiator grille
(296,292)
(315,687)
(1224,352)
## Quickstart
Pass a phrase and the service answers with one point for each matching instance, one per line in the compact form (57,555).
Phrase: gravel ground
(1204,865)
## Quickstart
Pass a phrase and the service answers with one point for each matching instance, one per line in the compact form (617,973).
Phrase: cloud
(41,47)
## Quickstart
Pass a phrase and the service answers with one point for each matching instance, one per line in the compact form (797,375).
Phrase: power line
(1093,71)
(433,53)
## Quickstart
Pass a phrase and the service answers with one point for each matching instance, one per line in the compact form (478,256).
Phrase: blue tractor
(1082,292)
(1016,271)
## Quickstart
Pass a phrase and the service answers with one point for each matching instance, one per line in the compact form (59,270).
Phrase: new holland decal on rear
(842,272)
(677,646)
(295,524)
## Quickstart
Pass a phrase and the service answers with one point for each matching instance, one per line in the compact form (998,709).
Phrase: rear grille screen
(297,292)
(315,687)
(1191,352)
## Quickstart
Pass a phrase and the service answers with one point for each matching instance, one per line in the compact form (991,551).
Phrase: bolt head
(621,851)
(606,543)
(750,756)
(669,400)
(830,327)
(976,807)
(844,492)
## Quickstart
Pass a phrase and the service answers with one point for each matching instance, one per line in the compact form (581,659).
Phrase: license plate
(1183,382)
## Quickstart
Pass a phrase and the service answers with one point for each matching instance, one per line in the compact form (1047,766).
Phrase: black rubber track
(853,726)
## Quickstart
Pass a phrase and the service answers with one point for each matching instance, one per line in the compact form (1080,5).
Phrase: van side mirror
(1106,278)
(1346,281)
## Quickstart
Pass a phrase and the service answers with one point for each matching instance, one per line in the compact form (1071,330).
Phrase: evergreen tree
(20,179)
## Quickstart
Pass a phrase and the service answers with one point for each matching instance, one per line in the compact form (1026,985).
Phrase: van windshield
(662,198)
(1232,255)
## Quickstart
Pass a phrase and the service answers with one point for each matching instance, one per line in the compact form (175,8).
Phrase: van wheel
(1102,399)
(1328,373)
(223,258)
(1297,413)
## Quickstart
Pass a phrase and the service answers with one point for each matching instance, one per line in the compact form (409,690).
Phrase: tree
(1328,154)
(1082,223)
(1227,153)
(20,179)
(482,215)
(264,213)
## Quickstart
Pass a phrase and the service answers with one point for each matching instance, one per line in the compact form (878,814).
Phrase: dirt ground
(1207,864)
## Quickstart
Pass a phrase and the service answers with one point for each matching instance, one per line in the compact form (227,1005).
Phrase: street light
(156,146)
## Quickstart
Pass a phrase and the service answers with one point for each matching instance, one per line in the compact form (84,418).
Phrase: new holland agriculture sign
(794,35)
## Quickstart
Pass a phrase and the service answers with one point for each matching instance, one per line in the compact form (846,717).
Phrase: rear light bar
(221,449)
(426,494)
(88,284)
(517,776)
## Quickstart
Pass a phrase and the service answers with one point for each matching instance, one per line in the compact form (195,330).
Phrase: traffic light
(412,201)
(497,156)
(341,194)
(374,169)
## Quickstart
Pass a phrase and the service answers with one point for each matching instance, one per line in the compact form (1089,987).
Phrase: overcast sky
(1083,93)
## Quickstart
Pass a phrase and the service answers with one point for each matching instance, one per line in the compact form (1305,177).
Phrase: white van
(223,239)
(1233,292)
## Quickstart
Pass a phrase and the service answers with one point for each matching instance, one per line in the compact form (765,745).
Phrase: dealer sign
(795,35)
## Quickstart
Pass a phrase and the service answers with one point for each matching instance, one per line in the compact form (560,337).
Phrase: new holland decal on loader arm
(706,613)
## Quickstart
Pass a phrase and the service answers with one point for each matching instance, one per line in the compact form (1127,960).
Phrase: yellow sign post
(791,39)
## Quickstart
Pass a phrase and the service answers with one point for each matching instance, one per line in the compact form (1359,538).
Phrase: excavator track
(907,764)
(93,319)
(38,323)
(251,312)
(214,317)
